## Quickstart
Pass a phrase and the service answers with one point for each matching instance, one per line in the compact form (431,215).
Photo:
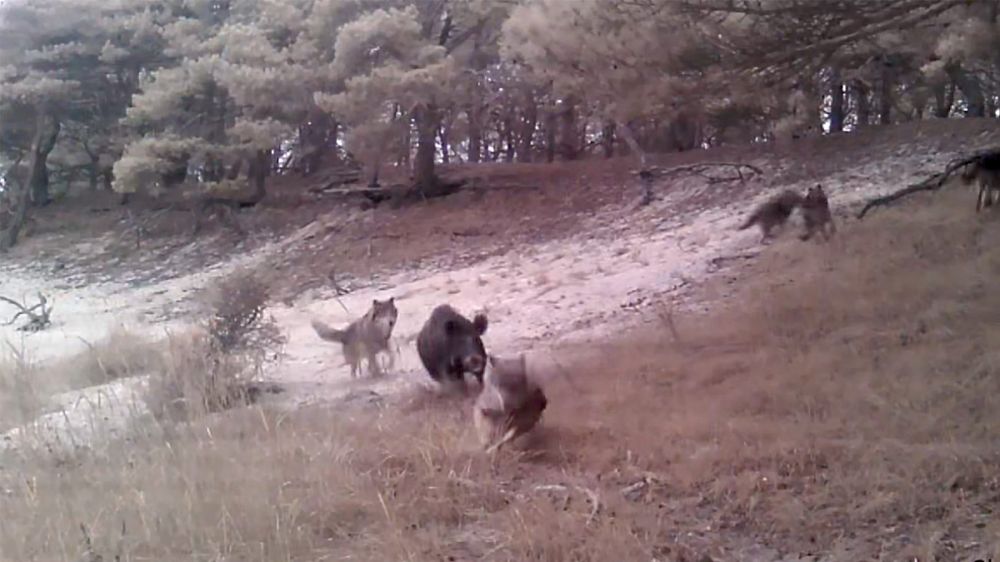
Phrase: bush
(212,369)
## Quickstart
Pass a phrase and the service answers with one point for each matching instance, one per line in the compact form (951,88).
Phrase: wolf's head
(384,315)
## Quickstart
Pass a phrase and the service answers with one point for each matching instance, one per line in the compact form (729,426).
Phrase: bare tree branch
(38,315)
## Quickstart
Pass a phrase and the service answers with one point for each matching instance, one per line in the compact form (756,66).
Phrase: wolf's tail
(327,333)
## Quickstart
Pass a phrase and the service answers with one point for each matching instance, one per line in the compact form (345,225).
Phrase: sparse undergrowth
(840,409)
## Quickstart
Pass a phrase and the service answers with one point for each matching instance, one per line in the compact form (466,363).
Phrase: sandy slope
(571,289)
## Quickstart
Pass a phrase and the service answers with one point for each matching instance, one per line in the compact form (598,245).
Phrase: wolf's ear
(391,300)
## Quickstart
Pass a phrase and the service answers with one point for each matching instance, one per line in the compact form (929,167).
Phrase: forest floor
(709,396)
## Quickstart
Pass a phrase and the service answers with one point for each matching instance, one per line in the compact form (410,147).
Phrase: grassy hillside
(838,407)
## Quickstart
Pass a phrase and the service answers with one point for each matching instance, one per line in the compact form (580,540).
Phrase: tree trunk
(510,147)
(39,184)
(972,90)
(608,139)
(498,146)
(425,178)
(550,136)
(528,125)
(407,142)
(317,139)
(46,130)
(235,169)
(836,101)
(445,155)
(109,178)
(568,147)
(860,91)
(93,173)
(260,168)
(475,135)
(886,89)
(683,132)
(944,98)
(918,99)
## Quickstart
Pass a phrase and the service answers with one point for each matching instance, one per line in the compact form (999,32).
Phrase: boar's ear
(391,300)
(480,323)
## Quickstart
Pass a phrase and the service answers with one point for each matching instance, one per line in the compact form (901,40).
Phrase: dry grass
(25,386)
(842,410)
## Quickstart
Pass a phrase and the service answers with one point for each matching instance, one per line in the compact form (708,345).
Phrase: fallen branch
(700,166)
(932,183)
(38,315)
(648,174)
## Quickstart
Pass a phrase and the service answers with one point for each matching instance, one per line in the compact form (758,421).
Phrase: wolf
(986,170)
(366,337)
(449,345)
(773,212)
(816,214)
(509,405)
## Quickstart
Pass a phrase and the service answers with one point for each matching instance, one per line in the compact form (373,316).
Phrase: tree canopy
(144,95)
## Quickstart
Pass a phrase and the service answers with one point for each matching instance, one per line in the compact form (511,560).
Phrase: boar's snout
(474,364)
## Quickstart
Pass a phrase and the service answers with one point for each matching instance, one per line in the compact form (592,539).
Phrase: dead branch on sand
(933,183)
(700,168)
(648,174)
(38,315)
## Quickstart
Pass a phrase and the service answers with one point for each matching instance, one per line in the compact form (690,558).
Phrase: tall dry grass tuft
(27,388)
(20,395)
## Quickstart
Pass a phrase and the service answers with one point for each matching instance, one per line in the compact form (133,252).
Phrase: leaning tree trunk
(39,183)
(425,179)
(625,131)
(46,130)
